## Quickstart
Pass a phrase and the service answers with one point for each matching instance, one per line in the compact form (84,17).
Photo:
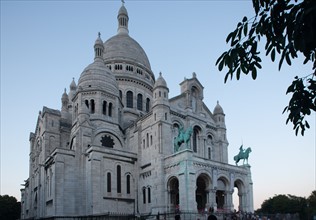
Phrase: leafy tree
(289,29)
(311,201)
(10,208)
(285,204)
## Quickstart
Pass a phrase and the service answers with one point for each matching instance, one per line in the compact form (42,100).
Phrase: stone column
(187,186)
(229,200)
(213,199)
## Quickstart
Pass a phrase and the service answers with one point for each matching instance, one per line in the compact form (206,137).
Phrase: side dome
(97,75)
(123,47)
(218,109)
(160,82)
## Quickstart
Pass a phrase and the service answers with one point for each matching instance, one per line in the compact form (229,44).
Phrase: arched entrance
(202,192)
(173,193)
(221,194)
(238,195)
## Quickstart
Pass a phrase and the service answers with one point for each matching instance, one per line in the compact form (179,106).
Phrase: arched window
(108,182)
(196,132)
(87,103)
(110,109)
(128,184)
(144,195)
(92,110)
(147,139)
(149,195)
(140,102)
(147,104)
(118,178)
(129,99)
(104,107)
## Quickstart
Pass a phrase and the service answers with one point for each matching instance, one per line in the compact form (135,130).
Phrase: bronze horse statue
(183,137)
(243,154)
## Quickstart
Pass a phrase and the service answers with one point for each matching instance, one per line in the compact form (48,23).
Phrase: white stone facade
(111,147)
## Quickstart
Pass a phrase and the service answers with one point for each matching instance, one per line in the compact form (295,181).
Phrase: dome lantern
(98,48)
(122,19)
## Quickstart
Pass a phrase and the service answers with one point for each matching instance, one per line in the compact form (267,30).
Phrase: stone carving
(243,154)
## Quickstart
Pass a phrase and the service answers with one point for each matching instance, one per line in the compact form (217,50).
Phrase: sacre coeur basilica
(119,143)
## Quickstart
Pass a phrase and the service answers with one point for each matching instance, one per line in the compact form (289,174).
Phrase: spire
(64,101)
(98,48)
(122,19)
(72,90)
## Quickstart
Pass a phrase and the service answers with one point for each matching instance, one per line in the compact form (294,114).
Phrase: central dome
(123,47)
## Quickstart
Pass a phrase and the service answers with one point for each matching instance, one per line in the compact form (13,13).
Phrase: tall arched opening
(238,195)
(173,193)
(221,199)
(202,192)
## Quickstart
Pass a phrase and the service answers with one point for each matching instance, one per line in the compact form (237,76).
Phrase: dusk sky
(44,44)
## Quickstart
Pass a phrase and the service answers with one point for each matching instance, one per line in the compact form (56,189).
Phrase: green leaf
(306,60)
(226,77)
(307,125)
(220,66)
(281,60)
(238,74)
(221,57)
(284,110)
(273,55)
(245,29)
(257,64)
(288,59)
(230,36)
(291,88)
(254,73)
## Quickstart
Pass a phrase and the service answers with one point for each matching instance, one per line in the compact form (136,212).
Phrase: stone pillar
(187,186)
(213,199)
(229,200)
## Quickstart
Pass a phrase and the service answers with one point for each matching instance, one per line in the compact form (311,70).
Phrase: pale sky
(44,44)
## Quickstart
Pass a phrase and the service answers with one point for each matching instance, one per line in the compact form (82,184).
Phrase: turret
(160,92)
(222,142)
(64,102)
(72,90)
(219,115)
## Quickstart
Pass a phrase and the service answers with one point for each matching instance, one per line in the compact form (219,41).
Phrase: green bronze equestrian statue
(243,154)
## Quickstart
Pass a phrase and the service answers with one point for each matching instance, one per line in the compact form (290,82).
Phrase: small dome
(218,109)
(98,76)
(122,11)
(65,95)
(73,85)
(160,82)
(98,41)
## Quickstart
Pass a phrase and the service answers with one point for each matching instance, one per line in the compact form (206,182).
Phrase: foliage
(311,201)
(10,208)
(283,204)
(288,28)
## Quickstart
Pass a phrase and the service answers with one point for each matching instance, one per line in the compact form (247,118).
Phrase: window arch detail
(129,99)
